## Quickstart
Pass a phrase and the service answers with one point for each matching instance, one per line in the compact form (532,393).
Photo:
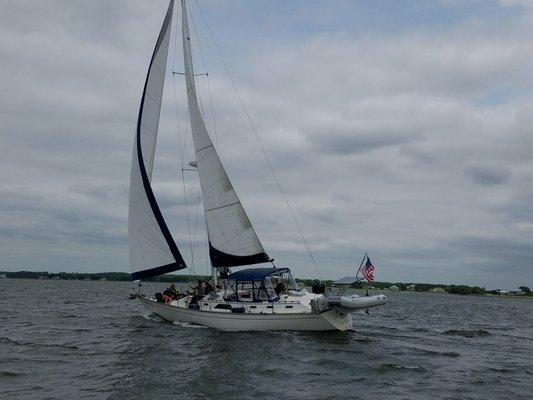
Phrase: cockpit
(260,284)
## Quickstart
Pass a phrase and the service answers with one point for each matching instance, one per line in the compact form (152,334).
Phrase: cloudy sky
(401,128)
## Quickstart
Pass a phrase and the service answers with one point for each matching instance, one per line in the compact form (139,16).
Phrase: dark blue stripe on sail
(148,273)
(219,259)
(180,263)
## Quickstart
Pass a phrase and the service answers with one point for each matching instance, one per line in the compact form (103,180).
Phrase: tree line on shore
(124,276)
(413,287)
(97,276)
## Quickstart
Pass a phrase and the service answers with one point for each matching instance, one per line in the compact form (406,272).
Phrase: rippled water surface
(63,340)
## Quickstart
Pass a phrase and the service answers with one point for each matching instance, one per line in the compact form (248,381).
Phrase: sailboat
(254,298)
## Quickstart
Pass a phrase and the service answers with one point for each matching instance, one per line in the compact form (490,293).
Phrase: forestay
(152,248)
(232,239)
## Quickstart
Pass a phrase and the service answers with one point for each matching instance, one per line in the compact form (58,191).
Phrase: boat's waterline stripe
(214,314)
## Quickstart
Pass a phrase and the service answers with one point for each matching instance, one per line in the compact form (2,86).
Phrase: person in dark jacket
(318,287)
(223,278)
(198,292)
(280,287)
(199,289)
(209,288)
(172,292)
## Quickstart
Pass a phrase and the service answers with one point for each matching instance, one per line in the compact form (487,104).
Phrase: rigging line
(260,143)
(188,219)
(175,96)
(182,148)
(193,270)
(201,104)
(207,258)
(204,62)
(196,218)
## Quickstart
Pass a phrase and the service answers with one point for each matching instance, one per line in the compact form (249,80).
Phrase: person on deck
(318,287)
(198,292)
(165,298)
(172,292)
(209,288)
(223,278)
(280,287)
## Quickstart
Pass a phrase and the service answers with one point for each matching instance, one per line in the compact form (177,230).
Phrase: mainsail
(152,248)
(232,239)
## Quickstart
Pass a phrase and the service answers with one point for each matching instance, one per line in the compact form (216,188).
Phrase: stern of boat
(338,320)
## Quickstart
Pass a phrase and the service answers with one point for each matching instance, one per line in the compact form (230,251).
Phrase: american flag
(368,271)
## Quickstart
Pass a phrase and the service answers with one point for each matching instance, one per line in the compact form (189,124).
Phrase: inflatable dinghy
(355,302)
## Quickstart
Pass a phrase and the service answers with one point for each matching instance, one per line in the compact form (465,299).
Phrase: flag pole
(361,265)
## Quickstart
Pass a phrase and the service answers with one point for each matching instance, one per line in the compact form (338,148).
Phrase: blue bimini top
(256,274)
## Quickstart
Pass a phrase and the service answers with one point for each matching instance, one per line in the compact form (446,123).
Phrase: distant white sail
(232,239)
(152,248)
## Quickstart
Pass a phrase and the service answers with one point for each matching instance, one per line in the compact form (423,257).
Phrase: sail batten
(152,247)
(232,238)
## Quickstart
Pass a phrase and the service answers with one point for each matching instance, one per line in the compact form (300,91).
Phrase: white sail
(232,239)
(152,248)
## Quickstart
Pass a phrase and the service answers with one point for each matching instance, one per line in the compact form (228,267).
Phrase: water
(61,339)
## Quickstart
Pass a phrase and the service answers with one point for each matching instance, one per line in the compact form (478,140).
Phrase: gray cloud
(376,136)
(487,175)
(347,141)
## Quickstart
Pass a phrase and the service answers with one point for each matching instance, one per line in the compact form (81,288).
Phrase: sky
(398,128)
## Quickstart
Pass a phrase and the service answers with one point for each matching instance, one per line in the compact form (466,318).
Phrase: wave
(432,352)
(391,367)
(152,317)
(333,363)
(503,370)
(31,344)
(10,374)
(467,333)
(189,325)
(452,354)
(10,341)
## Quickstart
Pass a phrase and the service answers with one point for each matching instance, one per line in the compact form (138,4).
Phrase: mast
(152,248)
(232,238)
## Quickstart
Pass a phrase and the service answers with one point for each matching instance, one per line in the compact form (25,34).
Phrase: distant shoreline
(167,278)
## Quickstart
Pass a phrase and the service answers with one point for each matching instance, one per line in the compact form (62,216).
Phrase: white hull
(310,321)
